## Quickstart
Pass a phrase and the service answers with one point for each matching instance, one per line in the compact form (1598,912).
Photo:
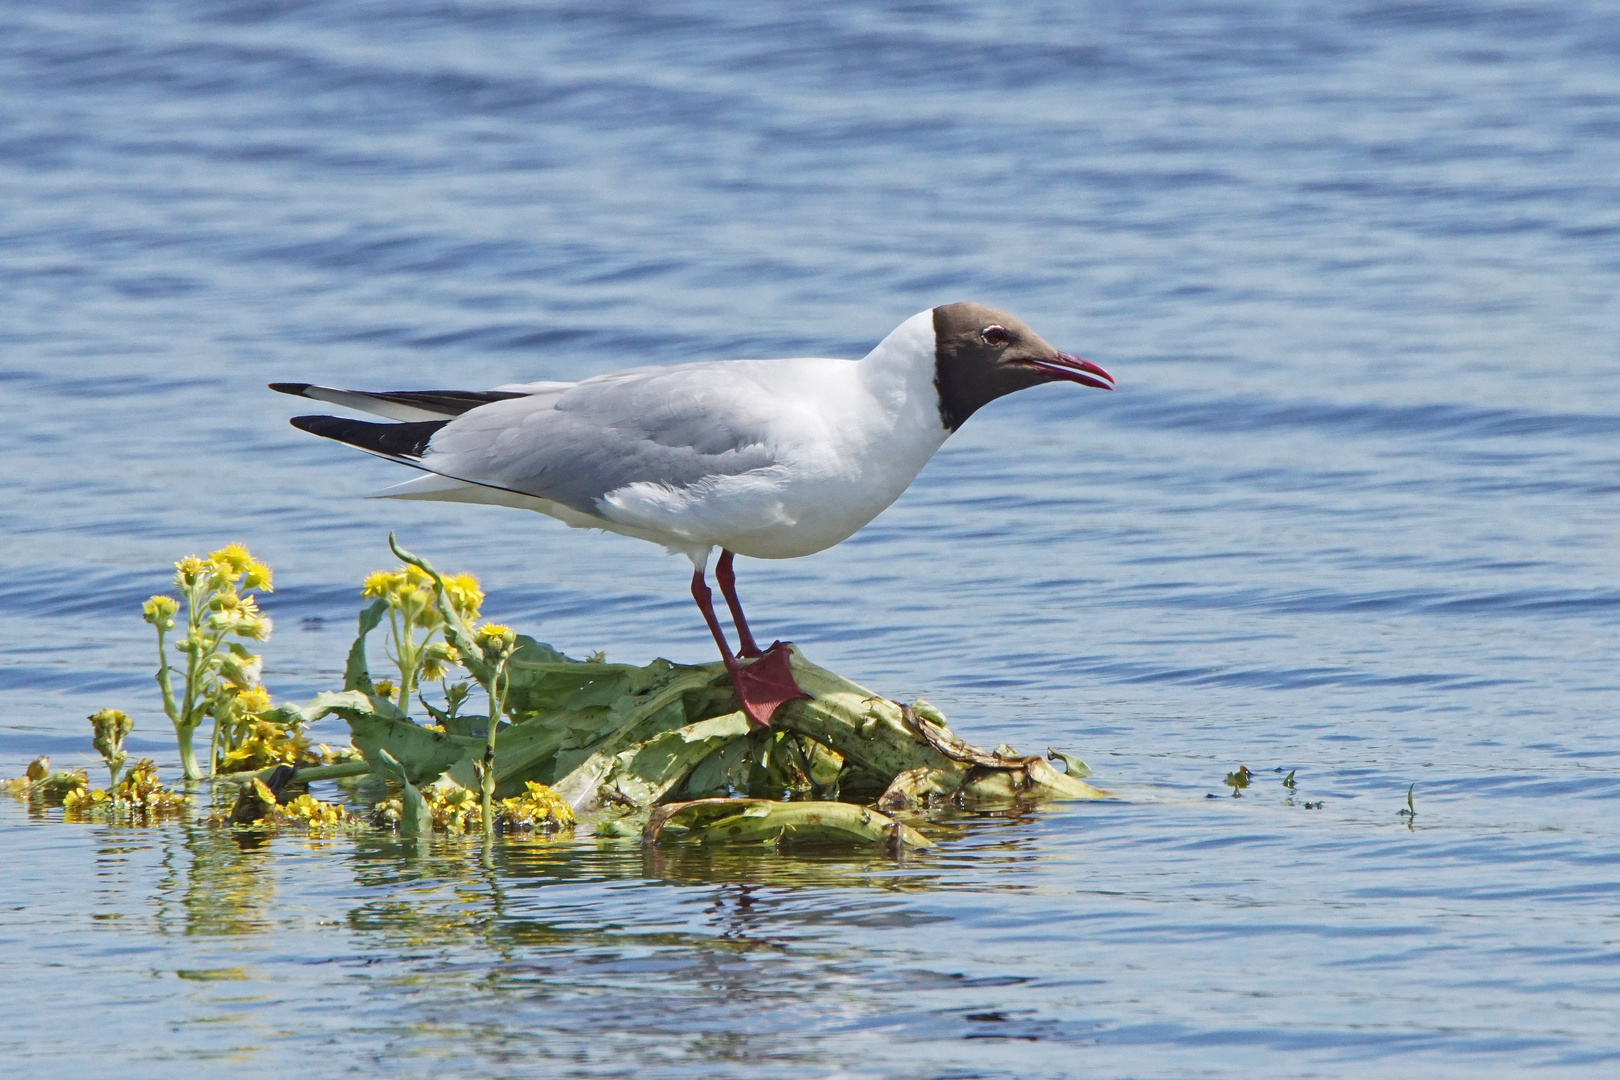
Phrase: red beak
(1073,369)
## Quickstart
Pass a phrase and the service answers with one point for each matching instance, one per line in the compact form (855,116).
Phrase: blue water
(1352,512)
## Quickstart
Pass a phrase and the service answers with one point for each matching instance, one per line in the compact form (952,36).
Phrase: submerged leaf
(744,821)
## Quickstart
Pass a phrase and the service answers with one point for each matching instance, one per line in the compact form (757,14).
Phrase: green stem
(188,758)
(497,693)
(213,742)
(169,708)
(187,724)
(307,775)
(404,655)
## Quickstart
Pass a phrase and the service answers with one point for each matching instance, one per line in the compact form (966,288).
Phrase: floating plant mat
(660,752)
(615,741)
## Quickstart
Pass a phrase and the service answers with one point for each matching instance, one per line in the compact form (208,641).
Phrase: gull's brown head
(981,354)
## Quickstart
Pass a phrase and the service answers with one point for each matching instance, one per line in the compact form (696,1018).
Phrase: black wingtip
(409,440)
(296,389)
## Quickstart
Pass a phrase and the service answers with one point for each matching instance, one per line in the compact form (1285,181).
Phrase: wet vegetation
(477,729)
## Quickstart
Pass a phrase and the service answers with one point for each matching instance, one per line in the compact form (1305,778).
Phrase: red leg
(705,603)
(763,685)
(728,589)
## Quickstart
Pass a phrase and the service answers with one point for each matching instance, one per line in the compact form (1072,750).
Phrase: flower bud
(160,611)
(495,640)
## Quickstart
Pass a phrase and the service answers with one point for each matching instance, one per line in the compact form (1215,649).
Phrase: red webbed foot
(766,684)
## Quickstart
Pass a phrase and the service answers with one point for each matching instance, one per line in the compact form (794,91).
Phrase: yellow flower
(385,688)
(159,611)
(427,617)
(378,584)
(82,799)
(495,633)
(189,571)
(257,576)
(263,744)
(495,640)
(465,595)
(313,812)
(537,806)
(434,658)
(233,556)
(254,628)
(255,700)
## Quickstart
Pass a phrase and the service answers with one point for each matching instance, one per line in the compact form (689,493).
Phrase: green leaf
(548,745)
(376,725)
(356,675)
(1072,766)
(732,769)
(414,818)
(537,683)
(645,773)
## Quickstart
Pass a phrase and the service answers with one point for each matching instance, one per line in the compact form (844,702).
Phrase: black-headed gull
(771,459)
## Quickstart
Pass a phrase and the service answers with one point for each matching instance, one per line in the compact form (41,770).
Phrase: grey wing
(670,426)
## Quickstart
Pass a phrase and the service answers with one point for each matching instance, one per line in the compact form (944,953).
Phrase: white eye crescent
(994,335)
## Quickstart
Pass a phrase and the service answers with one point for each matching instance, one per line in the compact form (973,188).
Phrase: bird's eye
(994,335)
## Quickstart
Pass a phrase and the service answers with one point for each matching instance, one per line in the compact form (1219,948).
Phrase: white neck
(900,370)
(899,374)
